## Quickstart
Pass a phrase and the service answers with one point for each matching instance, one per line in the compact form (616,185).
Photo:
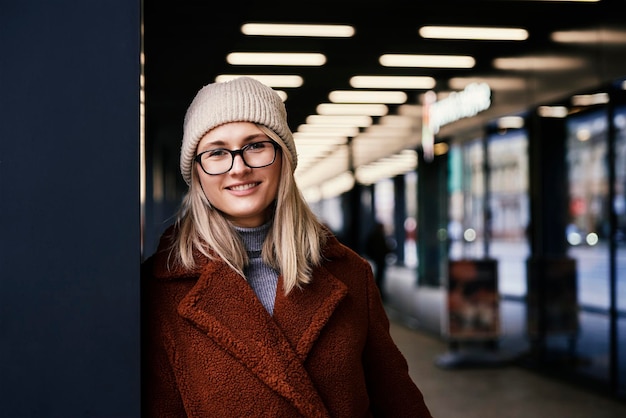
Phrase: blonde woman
(251,307)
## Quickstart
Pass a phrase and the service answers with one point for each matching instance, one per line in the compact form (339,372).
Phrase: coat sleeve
(159,391)
(391,390)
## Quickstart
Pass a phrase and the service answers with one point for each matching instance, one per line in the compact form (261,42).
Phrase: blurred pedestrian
(251,307)
(377,248)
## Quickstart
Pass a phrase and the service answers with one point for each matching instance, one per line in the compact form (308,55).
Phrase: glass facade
(508,208)
(587,235)
(466,188)
(619,209)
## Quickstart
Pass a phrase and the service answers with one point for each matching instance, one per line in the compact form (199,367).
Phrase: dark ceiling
(186,42)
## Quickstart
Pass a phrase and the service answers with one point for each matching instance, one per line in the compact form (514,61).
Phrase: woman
(251,308)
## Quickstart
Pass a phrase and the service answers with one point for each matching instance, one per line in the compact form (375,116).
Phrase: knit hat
(243,99)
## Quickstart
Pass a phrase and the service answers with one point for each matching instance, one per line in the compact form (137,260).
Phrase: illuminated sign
(474,98)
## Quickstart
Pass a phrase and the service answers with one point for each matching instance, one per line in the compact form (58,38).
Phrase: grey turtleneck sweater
(262,278)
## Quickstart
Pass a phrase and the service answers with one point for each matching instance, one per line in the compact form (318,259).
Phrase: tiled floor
(500,390)
(494,392)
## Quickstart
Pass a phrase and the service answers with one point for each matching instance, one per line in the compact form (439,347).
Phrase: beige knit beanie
(243,99)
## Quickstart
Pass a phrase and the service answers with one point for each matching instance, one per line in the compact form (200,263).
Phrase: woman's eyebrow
(220,143)
(256,136)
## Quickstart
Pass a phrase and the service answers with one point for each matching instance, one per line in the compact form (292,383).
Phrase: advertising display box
(473,309)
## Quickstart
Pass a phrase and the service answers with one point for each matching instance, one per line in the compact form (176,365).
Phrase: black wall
(69,208)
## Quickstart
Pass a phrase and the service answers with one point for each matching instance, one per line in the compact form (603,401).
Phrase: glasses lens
(259,154)
(216,161)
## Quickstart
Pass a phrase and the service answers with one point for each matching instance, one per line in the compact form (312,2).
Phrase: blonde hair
(293,245)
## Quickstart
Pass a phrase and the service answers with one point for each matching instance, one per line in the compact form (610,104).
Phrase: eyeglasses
(254,155)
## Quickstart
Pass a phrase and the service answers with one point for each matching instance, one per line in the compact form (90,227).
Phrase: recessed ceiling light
(352,109)
(590,99)
(367,96)
(427,61)
(538,63)
(276,58)
(282,29)
(284,81)
(345,130)
(475,33)
(392,82)
(591,36)
(495,83)
(510,122)
(353,120)
(552,111)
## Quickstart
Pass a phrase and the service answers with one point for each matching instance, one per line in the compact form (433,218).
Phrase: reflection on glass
(466,190)
(588,225)
(509,208)
(619,206)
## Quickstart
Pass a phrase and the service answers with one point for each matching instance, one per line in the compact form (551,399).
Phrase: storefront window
(509,208)
(619,206)
(466,189)
(588,226)
(588,234)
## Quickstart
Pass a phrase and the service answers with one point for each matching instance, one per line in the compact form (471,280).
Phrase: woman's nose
(238,164)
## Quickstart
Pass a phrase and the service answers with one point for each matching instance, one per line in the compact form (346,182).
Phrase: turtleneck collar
(253,238)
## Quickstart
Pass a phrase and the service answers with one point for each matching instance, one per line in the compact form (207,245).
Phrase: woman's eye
(257,145)
(217,153)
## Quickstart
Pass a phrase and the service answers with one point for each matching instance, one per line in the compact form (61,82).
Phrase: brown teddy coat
(210,349)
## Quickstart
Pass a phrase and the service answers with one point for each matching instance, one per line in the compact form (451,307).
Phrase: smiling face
(243,194)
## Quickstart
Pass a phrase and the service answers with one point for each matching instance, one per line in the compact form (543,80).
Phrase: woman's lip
(243,186)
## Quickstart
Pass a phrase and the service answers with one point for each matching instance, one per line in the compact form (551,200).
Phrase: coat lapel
(303,313)
(225,307)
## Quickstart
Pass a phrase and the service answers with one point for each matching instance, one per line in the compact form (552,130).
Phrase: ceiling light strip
(276,58)
(473,33)
(427,61)
(352,109)
(367,96)
(284,81)
(543,63)
(361,121)
(306,30)
(392,82)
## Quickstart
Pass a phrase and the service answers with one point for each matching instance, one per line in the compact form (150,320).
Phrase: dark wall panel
(69,208)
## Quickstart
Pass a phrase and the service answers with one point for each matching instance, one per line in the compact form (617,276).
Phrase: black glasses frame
(234,153)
